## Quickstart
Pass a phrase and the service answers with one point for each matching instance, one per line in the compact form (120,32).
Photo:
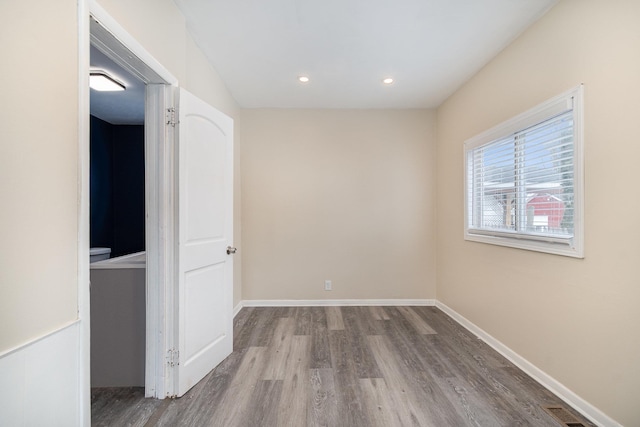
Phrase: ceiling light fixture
(103,82)
(387,80)
(303,79)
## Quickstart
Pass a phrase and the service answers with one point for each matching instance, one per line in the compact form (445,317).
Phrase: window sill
(568,248)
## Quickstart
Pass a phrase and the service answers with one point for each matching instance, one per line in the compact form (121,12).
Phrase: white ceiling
(346,47)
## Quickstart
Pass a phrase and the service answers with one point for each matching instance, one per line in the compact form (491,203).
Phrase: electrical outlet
(327,285)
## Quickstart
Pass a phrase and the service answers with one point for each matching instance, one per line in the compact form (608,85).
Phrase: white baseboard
(336,302)
(41,380)
(237,309)
(579,404)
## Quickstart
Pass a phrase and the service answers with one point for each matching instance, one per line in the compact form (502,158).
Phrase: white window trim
(573,247)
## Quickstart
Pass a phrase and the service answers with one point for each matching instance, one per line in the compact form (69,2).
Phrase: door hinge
(173,357)
(171,116)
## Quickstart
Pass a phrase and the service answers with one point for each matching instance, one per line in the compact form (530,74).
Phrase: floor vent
(563,416)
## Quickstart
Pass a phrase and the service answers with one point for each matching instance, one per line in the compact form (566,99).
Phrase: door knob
(231,250)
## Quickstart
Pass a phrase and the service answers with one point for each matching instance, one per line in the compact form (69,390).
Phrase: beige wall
(344,195)
(577,320)
(38,169)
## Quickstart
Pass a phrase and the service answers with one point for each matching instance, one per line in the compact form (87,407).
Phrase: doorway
(109,40)
(189,220)
(117,227)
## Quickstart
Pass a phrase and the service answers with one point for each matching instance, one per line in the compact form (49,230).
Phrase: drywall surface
(340,195)
(576,319)
(38,170)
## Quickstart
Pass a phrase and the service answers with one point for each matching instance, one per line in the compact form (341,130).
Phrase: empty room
(356,213)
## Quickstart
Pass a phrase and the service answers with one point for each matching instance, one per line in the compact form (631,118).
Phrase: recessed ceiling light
(303,79)
(387,80)
(101,81)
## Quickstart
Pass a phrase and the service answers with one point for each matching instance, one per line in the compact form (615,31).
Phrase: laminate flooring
(346,366)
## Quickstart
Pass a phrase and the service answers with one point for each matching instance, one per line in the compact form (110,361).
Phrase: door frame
(160,160)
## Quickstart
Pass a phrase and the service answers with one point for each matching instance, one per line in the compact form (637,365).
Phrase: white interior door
(205,231)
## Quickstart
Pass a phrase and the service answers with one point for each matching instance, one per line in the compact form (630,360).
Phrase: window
(524,180)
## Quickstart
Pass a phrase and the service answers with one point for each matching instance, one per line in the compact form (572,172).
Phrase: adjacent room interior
(117,228)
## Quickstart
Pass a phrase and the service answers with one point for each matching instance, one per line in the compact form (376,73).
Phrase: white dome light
(99,80)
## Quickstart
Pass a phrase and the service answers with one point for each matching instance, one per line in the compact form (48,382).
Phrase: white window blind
(523,180)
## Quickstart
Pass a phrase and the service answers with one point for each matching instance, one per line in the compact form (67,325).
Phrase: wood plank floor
(345,366)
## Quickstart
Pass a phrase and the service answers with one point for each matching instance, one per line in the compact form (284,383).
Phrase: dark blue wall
(101,216)
(128,189)
(117,187)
